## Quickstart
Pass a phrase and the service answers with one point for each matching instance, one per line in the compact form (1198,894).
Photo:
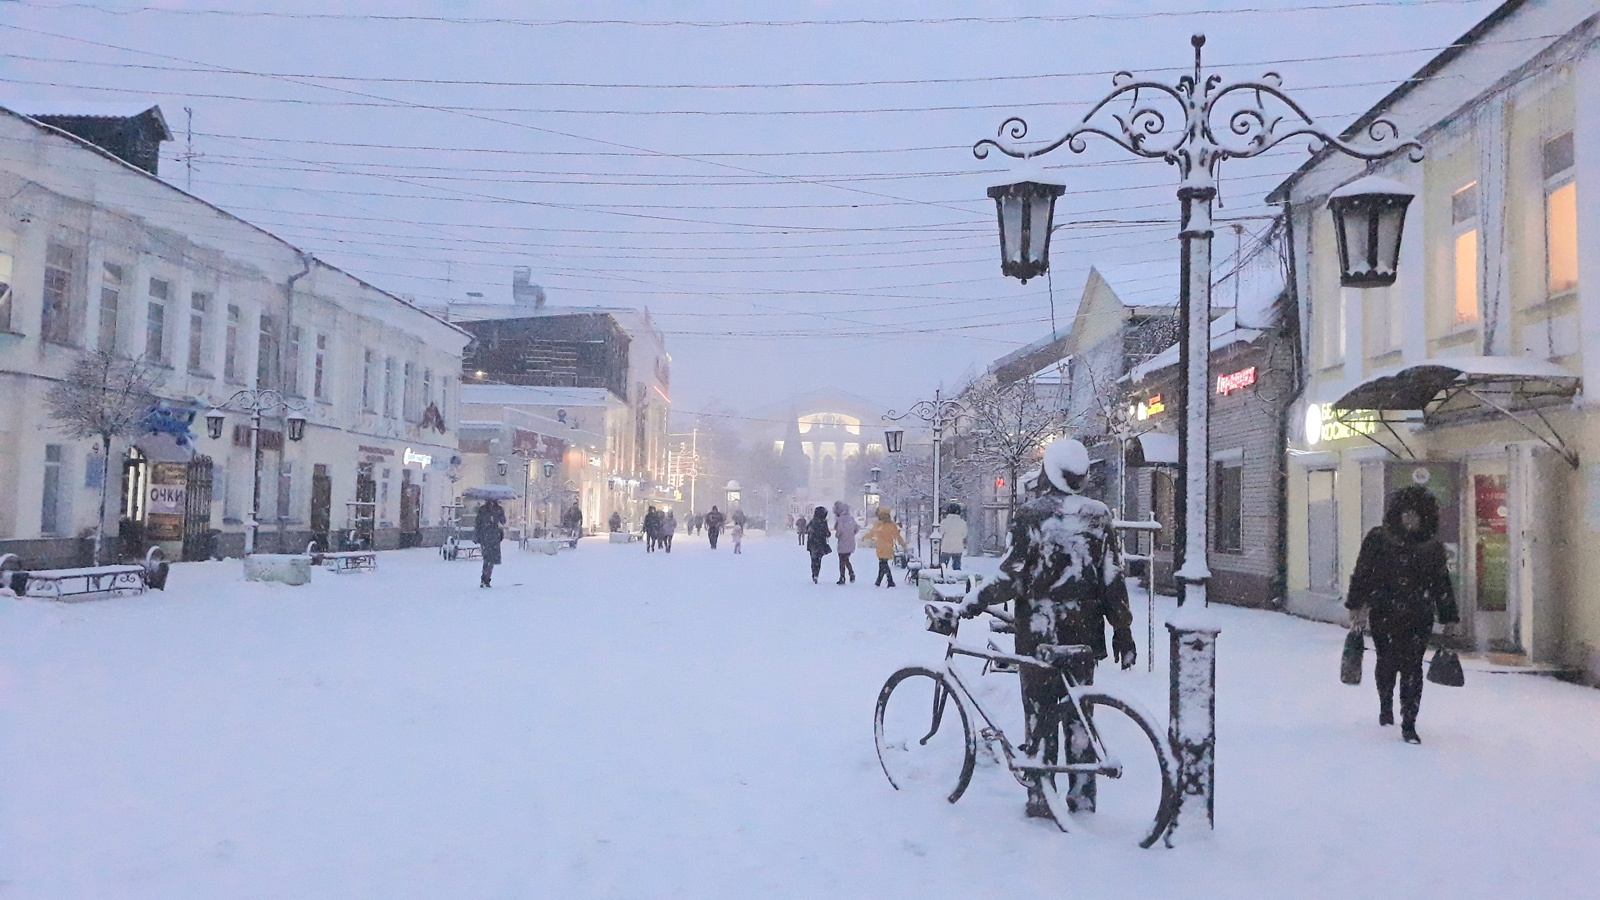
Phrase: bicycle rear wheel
(925,740)
(1137,801)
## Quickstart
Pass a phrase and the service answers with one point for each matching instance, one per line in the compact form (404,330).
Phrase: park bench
(455,548)
(83,581)
(626,537)
(343,560)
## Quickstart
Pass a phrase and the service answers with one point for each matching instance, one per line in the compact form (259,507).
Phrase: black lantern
(502,467)
(297,426)
(1368,216)
(549,468)
(892,438)
(1026,210)
(214,423)
(876,473)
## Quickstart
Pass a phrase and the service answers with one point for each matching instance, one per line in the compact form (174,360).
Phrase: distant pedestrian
(616,522)
(738,537)
(845,528)
(1400,583)
(669,527)
(953,531)
(714,520)
(738,516)
(800,526)
(572,521)
(652,530)
(885,536)
(817,534)
(488,529)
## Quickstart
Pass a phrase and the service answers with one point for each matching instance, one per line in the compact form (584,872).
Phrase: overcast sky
(788,187)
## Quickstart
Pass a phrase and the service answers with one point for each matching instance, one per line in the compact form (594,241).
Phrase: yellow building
(1467,375)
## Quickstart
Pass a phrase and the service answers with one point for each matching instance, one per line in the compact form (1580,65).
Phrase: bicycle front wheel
(1135,796)
(925,740)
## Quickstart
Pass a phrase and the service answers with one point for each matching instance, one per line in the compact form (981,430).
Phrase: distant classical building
(827,433)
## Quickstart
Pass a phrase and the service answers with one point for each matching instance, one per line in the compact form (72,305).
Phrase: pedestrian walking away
(738,537)
(615,523)
(488,529)
(572,521)
(884,537)
(953,531)
(1064,572)
(800,527)
(669,527)
(817,534)
(652,530)
(714,520)
(1401,586)
(845,528)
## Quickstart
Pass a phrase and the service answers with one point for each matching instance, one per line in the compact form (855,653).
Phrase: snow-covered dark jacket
(572,518)
(1064,570)
(487,525)
(714,520)
(1401,576)
(652,523)
(817,534)
(616,521)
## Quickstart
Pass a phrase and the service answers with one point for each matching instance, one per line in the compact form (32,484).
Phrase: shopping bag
(1355,647)
(1445,668)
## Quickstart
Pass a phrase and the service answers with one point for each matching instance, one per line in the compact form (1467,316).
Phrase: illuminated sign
(1324,423)
(1147,408)
(421,459)
(1227,384)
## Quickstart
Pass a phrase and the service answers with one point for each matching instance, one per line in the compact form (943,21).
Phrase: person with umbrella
(488,527)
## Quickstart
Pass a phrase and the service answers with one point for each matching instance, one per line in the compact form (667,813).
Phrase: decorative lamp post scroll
(258,403)
(1195,125)
(941,412)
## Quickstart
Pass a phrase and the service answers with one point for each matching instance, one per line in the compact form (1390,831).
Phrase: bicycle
(903,730)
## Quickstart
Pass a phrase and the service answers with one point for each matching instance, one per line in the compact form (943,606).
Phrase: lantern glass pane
(1355,224)
(1390,218)
(1039,207)
(1011,228)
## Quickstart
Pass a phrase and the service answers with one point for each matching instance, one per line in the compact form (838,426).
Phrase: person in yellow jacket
(885,536)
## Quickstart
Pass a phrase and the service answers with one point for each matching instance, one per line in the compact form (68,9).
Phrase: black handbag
(1355,648)
(1445,668)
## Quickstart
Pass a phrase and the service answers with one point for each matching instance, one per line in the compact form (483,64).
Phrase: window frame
(198,318)
(230,349)
(113,281)
(155,319)
(55,317)
(1229,539)
(1460,228)
(1553,183)
(319,381)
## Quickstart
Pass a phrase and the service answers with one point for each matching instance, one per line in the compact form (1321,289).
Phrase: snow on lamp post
(257,403)
(1195,125)
(941,412)
(893,438)
(1025,210)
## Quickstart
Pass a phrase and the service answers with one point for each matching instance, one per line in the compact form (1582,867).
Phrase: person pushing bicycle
(1064,570)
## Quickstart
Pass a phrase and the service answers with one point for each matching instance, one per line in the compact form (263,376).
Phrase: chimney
(135,138)
(523,291)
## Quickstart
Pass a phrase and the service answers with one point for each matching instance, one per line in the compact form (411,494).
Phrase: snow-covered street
(607,723)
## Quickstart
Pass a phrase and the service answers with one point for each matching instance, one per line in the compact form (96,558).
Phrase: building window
(368,361)
(110,299)
(408,394)
(199,303)
(319,383)
(230,350)
(267,353)
(291,363)
(427,388)
(155,323)
(1228,485)
(1560,216)
(1464,253)
(1161,498)
(444,398)
(50,508)
(388,387)
(56,316)
(7,243)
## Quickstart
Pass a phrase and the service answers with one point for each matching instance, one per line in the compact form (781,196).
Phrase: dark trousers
(883,572)
(1042,693)
(816,565)
(1400,655)
(712,533)
(953,560)
(488,570)
(666,542)
(845,568)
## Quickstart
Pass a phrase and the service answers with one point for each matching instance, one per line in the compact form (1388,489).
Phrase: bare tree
(1008,423)
(105,396)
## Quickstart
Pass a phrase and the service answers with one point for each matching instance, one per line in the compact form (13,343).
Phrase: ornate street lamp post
(941,412)
(1368,215)
(257,403)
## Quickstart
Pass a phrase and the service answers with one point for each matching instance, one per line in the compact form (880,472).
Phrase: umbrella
(489,492)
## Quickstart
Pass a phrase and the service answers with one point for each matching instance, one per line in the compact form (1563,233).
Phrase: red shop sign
(1227,384)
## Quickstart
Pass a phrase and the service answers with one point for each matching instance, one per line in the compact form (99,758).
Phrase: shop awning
(1443,391)
(163,448)
(1153,448)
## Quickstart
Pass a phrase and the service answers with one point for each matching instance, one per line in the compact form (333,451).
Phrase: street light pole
(939,412)
(1241,108)
(257,403)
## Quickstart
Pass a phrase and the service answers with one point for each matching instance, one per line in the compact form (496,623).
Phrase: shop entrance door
(410,511)
(1322,531)
(199,541)
(321,506)
(1488,567)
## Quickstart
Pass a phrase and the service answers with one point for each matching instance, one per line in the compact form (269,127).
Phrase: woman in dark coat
(1400,584)
(817,534)
(488,529)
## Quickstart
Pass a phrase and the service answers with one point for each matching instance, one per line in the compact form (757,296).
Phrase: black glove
(1124,649)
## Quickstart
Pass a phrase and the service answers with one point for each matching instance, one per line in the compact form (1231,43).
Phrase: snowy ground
(610,724)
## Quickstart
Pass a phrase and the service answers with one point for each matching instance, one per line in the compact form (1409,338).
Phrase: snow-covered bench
(460,548)
(117,579)
(626,537)
(343,560)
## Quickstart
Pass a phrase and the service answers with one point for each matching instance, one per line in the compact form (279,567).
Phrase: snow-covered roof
(1225,332)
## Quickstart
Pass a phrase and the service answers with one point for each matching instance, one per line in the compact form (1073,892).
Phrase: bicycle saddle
(1064,654)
